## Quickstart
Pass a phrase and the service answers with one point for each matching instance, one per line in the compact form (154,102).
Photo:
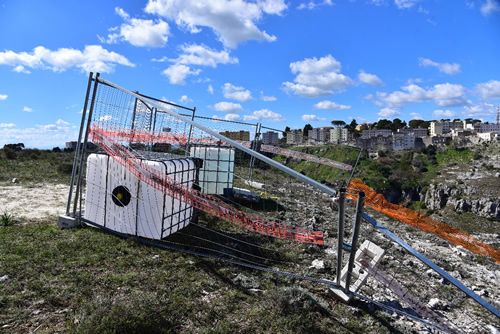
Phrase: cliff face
(462,199)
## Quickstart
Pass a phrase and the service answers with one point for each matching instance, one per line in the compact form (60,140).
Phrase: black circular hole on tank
(121,196)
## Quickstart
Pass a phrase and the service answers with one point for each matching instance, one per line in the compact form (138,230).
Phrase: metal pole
(189,135)
(82,160)
(254,146)
(340,233)
(77,153)
(354,243)
(133,121)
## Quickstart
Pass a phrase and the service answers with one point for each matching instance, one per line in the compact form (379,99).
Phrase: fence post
(354,242)
(340,234)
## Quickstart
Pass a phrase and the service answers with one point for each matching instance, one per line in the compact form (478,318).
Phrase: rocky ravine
(463,199)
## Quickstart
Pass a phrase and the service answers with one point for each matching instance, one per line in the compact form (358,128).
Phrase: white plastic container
(217,172)
(118,200)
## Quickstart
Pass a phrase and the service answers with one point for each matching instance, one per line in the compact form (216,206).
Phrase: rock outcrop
(463,199)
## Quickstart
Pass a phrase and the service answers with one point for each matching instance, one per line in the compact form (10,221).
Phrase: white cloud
(105,118)
(267,98)
(61,122)
(27,109)
(210,89)
(40,136)
(311,4)
(3,97)
(329,105)
(232,22)
(264,115)
(177,73)
(405,4)
(444,95)
(488,90)
(443,67)
(236,93)
(94,58)
(378,2)
(388,113)
(317,77)
(20,69)
(371,79)
(185,99)
(202,55)
(232,117)
(228,107)
(139,32)
(415,115)
(7,125)
(312,118)
(480,110)
(490,6)
(444,113)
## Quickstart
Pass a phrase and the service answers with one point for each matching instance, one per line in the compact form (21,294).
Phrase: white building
(438,128)
(270,138)
(367,134)
(339,135)
(401,141)
(488,136)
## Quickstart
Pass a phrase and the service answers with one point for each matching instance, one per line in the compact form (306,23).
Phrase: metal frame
(291,172)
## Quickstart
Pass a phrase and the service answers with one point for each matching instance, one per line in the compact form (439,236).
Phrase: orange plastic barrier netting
(421,221)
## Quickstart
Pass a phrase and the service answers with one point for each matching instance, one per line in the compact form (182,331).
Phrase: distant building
(373,144)
(489,127)
(237,135)
(318,134)
(339,135)
(401,141)
(270,138)
(295,137)
(417,132)
(366,134)
(438,128)
(488,136)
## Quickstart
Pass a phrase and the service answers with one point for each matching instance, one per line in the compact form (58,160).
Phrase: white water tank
(118,200)
(217,172)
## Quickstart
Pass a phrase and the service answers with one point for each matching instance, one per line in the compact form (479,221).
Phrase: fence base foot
(338,292)
(68,222)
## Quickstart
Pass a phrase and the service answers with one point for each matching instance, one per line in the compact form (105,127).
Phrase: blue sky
(280,63)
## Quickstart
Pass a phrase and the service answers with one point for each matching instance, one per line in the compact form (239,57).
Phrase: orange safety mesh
(421,221)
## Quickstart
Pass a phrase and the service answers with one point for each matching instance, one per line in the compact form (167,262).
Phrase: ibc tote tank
(218,168)
(118,200)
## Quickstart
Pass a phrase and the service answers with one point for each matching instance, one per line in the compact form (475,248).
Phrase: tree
(398,124)
(16,147)
(307,128)
(383,124)
(287,129)
(353,125)
(338,123)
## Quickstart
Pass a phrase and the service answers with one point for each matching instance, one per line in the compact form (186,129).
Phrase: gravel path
(34,201)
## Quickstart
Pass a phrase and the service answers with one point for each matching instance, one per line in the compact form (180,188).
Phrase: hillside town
(395,135)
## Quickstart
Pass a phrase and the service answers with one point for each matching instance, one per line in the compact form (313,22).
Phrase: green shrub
(10,153)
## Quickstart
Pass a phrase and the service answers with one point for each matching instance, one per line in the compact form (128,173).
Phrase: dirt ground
(33,202)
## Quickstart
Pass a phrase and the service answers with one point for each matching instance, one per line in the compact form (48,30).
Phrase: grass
(84,280)
(6,219)
(35,166)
